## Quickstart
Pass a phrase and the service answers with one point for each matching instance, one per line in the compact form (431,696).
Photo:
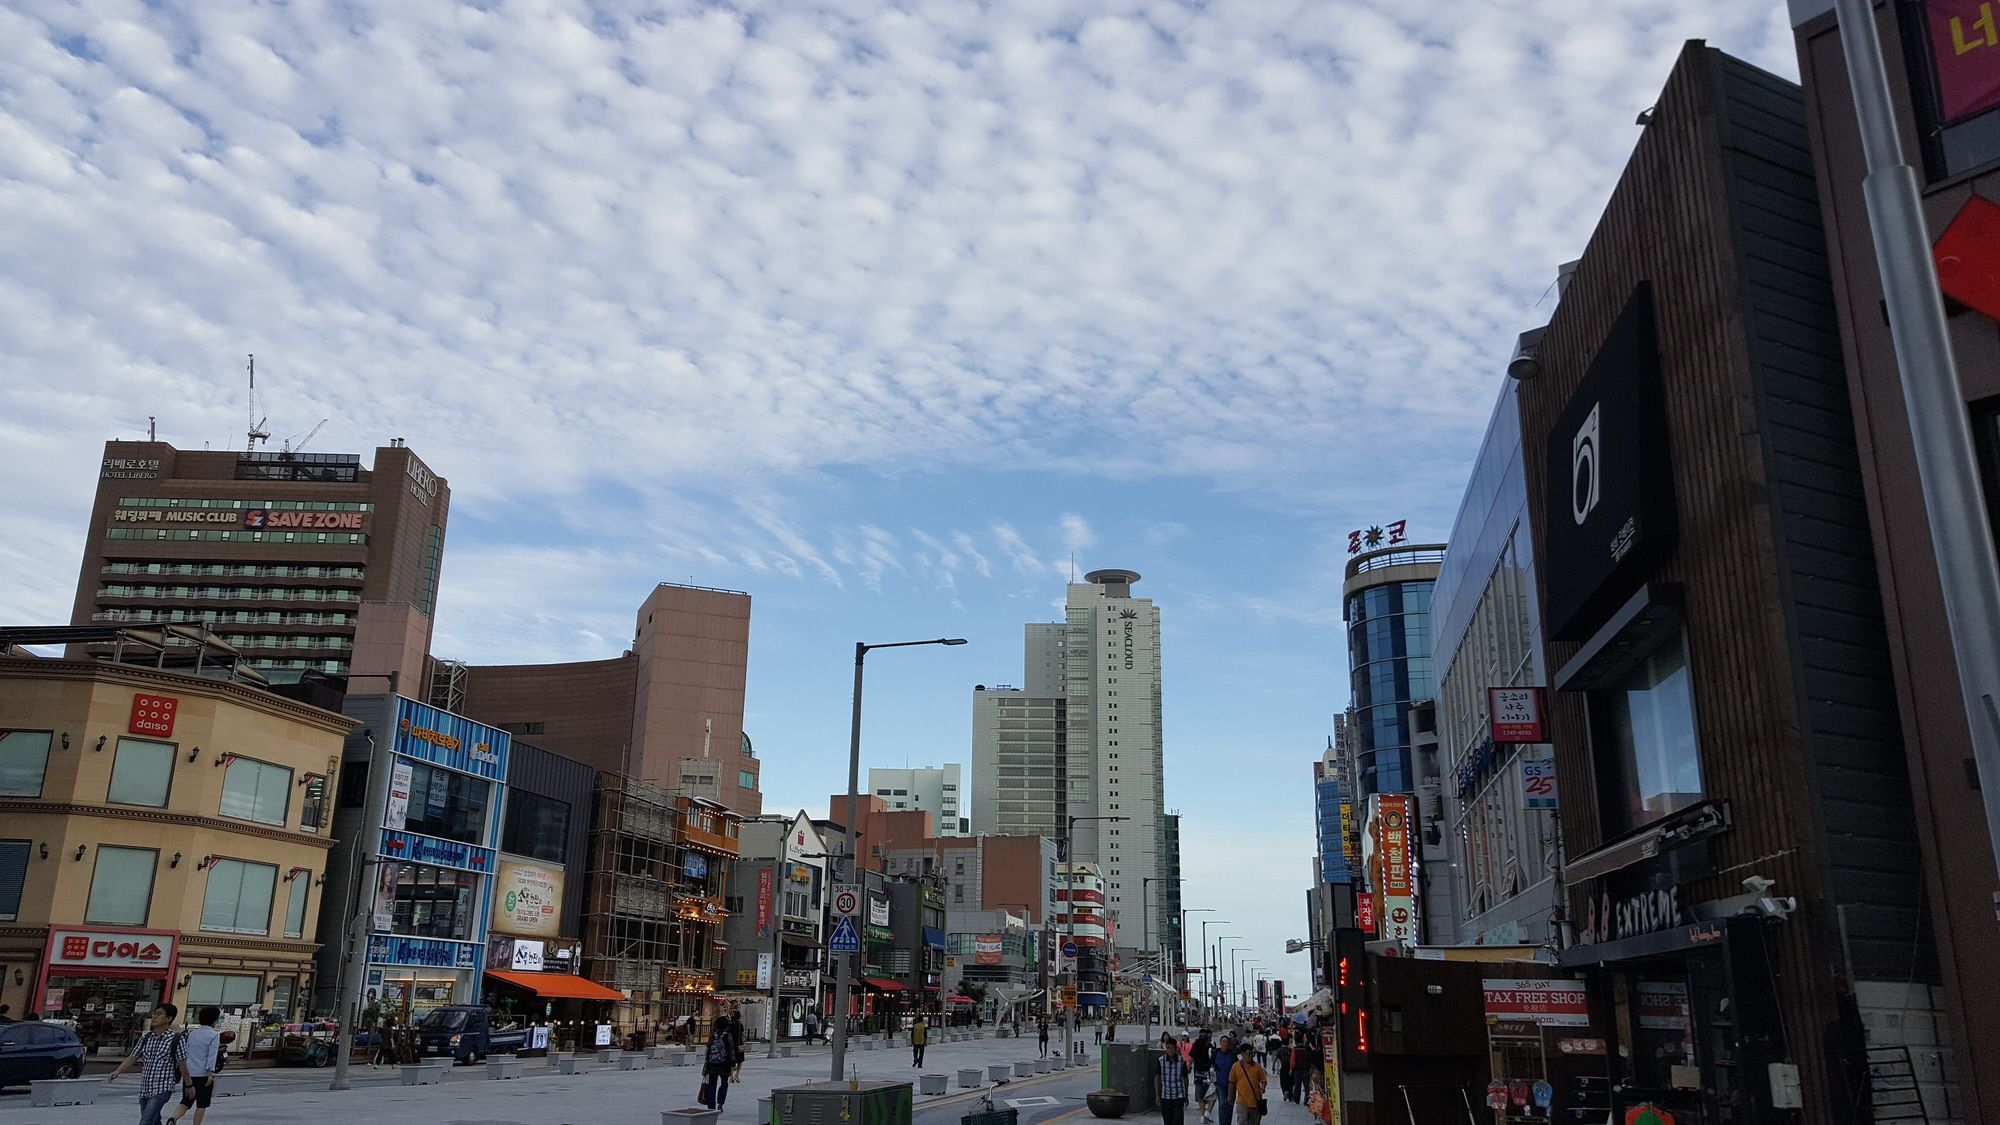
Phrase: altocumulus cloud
(745,242)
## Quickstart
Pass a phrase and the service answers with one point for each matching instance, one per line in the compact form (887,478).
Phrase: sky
(884,313)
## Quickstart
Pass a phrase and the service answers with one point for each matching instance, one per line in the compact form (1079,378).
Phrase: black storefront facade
(1736,817)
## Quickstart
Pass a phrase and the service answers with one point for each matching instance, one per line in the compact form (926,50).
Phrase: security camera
(1778,907)
(1757,884)
(1523,366)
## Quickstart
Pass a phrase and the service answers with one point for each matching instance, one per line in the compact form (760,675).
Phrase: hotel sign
(130,468)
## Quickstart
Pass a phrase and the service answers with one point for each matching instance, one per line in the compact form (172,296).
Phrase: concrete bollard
(1023,1069)
(930,1083)
(763,1109)
(997,1071)
(968,1078)
(785,1053)
(692,1115)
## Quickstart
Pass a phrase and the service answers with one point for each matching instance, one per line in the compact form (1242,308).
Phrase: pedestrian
(736,1038)
(812,1027)
(162,1058)
(1042,1029)
(1225,1062)
(1171,1081)
(1302,1063)
(204,1054)
(717,1064)
(1097,1034)
(1246,1082)
(1111,1033)
(919,1035)
(1201,1060)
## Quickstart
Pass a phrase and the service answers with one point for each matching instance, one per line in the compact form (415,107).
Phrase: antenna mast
(257,432)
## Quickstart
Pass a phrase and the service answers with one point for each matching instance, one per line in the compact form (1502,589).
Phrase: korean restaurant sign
(1516,714)
(98,949)
(153,715)
(1364,912)
(1551,1003)
(527,899)
(1397,894)
(1965,49)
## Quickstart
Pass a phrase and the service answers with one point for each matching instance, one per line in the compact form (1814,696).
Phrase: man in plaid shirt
(1172,1085)
(162,1057)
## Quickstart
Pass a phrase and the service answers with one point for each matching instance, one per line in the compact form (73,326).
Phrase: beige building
(163,837)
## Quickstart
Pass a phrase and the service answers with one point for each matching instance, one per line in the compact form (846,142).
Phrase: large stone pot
(1108,1103)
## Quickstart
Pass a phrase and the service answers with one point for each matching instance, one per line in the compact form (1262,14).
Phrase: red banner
(1965,47)
(1393,824)
(764,882)
(1364,912)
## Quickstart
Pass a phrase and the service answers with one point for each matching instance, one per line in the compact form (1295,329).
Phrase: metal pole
(1146,947)
(361,914)
(777,955)
(1935,401)
(1069,939)
(844,976)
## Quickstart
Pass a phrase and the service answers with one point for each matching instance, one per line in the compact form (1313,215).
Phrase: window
(353,784)
(24,756)
(536,826)
(283,990)
(312,815)
(254,790)
(295,907)
(745,779)
(13,876)
(121,886)
(223,991)
(435,902)
(445,804)
(141,773)
(239,897)
(1643,740)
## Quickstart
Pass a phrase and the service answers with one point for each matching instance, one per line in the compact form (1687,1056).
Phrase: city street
(607,1096)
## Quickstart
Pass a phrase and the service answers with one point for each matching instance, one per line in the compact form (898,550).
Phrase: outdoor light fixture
(80,848)
(101,740)
(193,754)
(176,861)
(321,881)
(19,980)
(1645,116)
(1524,366)
(65,740)
(45,849)
(206,862)
(222,758)
(296,872)
(186,980)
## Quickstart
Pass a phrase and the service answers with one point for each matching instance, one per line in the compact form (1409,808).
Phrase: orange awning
(566,986)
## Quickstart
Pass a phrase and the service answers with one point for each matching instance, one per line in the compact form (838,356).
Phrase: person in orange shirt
(1246,1085)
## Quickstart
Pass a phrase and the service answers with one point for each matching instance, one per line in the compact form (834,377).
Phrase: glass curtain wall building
(1387,609)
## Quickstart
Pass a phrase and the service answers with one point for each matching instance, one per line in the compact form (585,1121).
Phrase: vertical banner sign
(764,971)
(1330,1054)
(1398,903)
(385,897)
(397,816)
(1965,47)
(1538,781)
(1516,714)
(764,881)
(1364,913)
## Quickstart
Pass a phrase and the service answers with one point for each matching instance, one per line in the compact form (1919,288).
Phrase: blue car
(38,1050)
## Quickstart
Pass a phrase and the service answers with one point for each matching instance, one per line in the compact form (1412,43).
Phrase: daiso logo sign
(127,951)
(75,947)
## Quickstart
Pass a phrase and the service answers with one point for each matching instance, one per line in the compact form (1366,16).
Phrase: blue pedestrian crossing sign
(846,939)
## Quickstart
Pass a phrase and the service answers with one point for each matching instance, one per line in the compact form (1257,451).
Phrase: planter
(1108,1103)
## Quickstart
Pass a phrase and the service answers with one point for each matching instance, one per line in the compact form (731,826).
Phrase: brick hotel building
(274,552)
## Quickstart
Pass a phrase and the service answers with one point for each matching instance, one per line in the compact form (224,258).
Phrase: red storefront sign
(1516,714)
(91,951)
(1364,912)
(1965,48)
(1558,1003)
(1393,827)
(153,714)
(764,882)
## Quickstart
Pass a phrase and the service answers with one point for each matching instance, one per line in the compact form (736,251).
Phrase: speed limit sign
(846,900)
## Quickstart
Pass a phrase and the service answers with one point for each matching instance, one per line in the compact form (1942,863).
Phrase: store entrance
(109,1013)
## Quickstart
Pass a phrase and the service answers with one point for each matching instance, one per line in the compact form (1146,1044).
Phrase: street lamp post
(1221,981)
(1146,944)
(847,963)
(1180,963)
(1208,971)
(1069,928)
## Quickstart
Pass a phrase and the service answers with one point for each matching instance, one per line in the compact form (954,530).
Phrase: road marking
(1024,1103)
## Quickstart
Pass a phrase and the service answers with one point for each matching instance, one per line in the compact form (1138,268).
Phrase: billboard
(1396,894)
(527,899)
(1554,1003)
(988,949)
(1965,48)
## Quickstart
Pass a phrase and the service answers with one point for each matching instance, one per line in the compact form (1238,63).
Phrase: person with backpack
(716,1065)
(204,1058)
(162,1059)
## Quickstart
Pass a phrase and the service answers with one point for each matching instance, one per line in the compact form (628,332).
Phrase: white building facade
(937,790)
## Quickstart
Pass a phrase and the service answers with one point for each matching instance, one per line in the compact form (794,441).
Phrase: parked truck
(468,1034)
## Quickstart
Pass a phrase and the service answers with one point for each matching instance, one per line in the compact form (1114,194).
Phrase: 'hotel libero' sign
(130,468)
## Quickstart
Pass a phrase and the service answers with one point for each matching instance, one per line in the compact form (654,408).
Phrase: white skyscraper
(1084,740)
(934,789)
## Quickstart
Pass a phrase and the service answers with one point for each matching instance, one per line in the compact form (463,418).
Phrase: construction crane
(298,446)
(257,431)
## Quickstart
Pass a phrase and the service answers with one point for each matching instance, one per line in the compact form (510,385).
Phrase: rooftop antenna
(257,432)
(1072,568)
(152,428)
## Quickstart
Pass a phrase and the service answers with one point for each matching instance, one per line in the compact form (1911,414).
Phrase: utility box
(839,1103)
(1128,1067)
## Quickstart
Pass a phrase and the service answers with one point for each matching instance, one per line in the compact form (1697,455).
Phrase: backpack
(719,1051)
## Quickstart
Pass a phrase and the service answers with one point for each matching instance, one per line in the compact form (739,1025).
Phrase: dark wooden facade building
(1735,805)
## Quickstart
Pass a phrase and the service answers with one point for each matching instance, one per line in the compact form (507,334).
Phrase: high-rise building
(933,789)
(274,552)
(1387,610)
(1083,742)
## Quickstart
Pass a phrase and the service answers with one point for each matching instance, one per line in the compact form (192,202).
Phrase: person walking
(204,1048)
(736,1035)
(1042,1029)
(1111,1032)
(162,1058)
(1170,1081)
(1301,1070)
(919,1035)
(717,1064)
(812,1027)
(1225,1062)
(1247,1080)
(1201,1062)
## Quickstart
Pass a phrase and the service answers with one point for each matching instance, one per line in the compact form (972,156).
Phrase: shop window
(24,757)
(254,790)
(295,906)
(312,815)
(435,902)
(224,990)
(121,886)
(448,805)
(283,990)
(238,900)
(535,826)
(1642,738)
(141,773)
(13,876)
